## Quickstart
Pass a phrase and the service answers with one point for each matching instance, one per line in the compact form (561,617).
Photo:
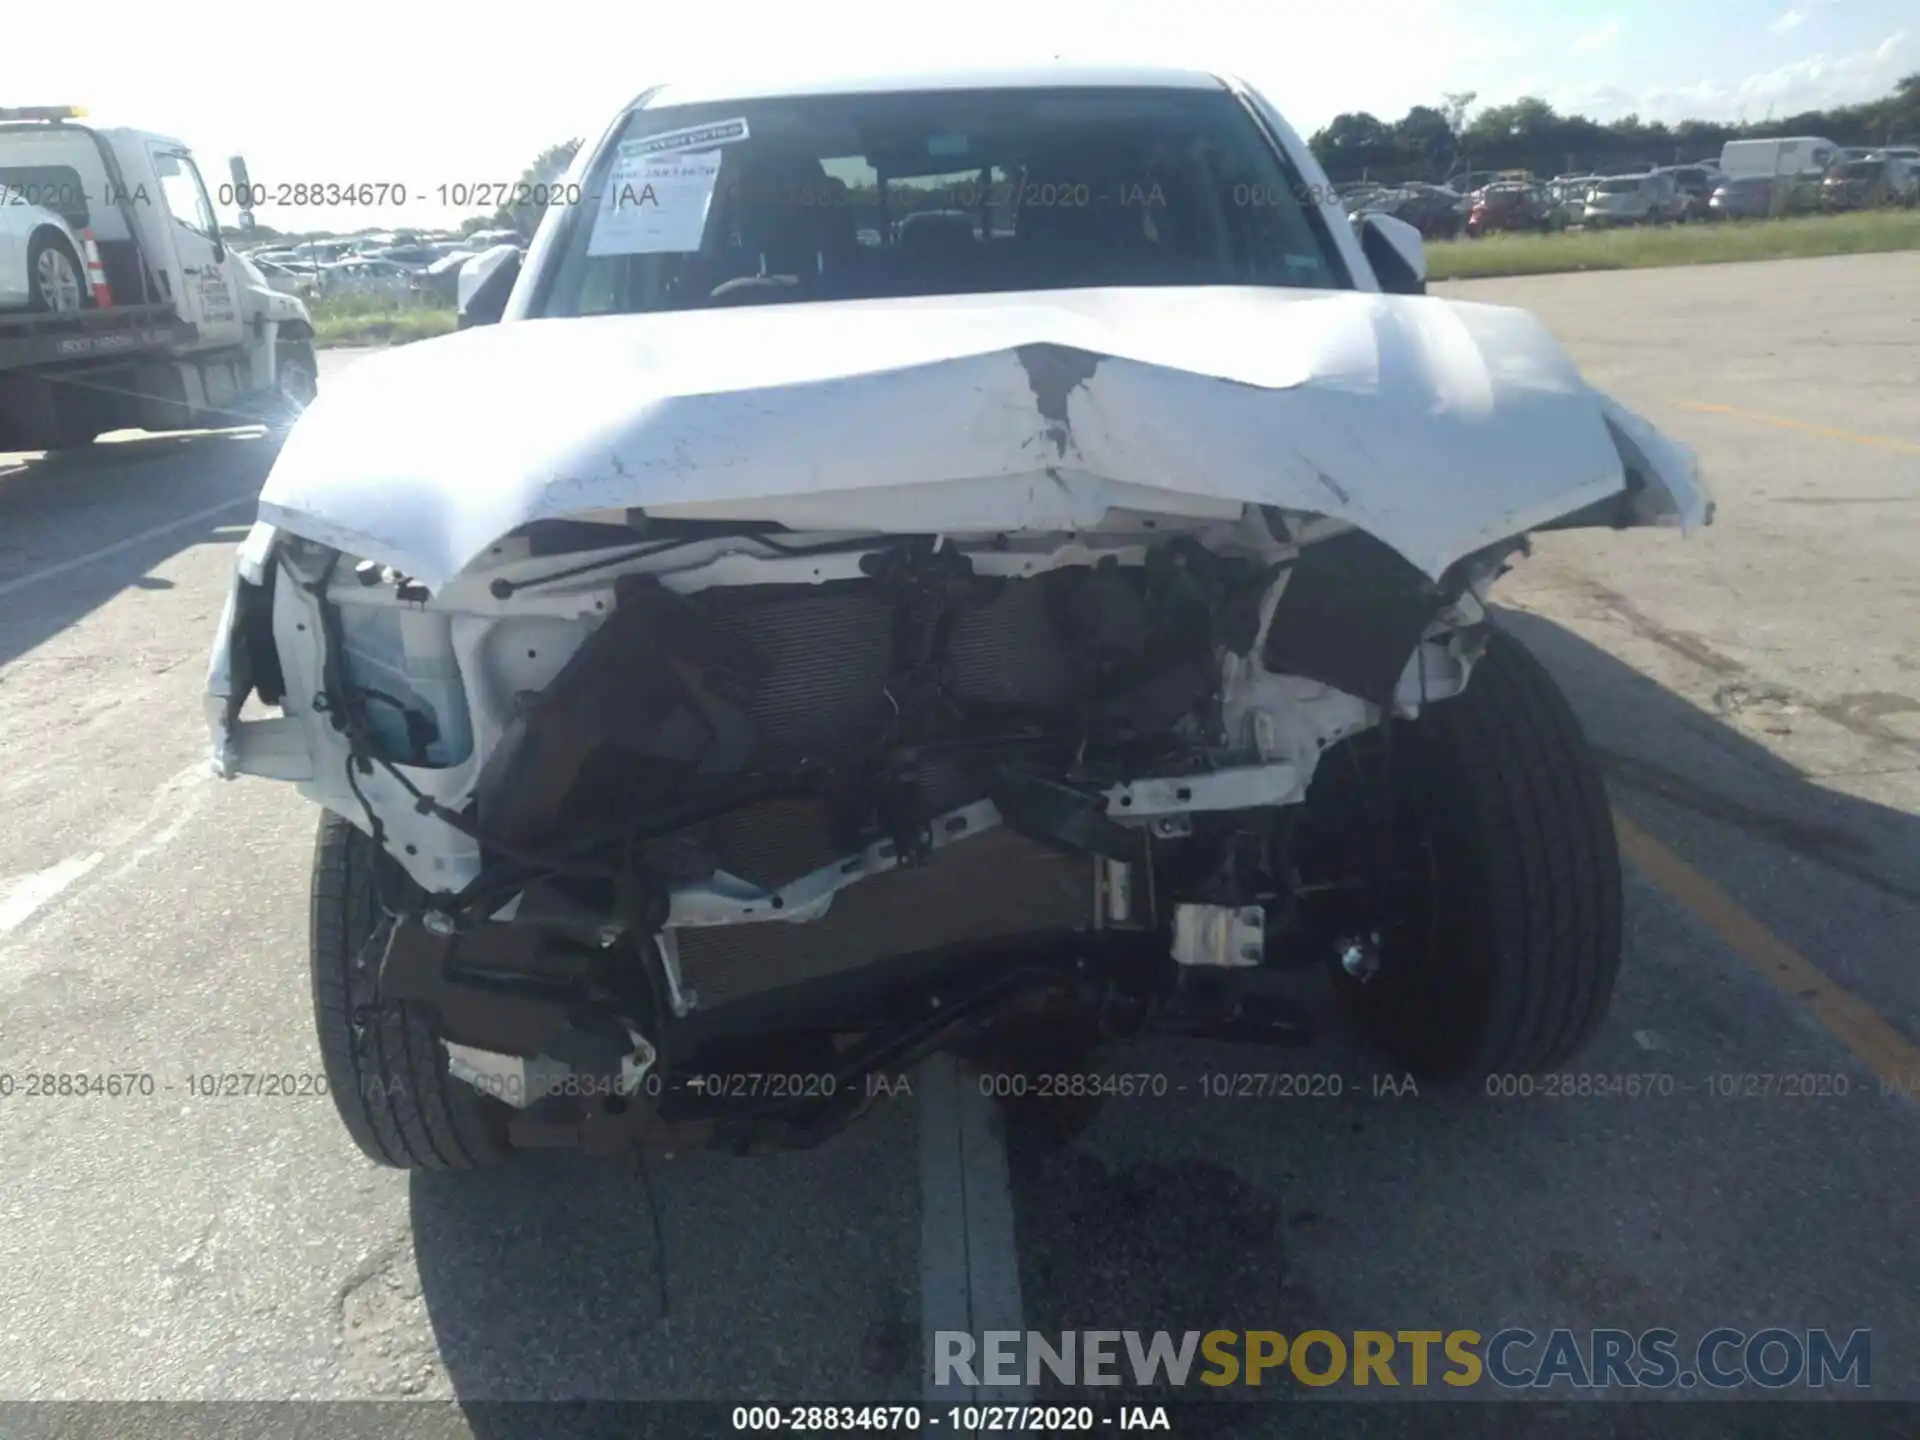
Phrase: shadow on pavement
(140,500)
(787,1277)
(1665,757)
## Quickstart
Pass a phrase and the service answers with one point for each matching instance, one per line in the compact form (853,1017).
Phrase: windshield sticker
(694,137)
(656,205)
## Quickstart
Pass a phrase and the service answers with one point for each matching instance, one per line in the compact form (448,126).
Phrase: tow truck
(179,331)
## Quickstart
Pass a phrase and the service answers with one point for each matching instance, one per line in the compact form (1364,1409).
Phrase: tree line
(1432,142)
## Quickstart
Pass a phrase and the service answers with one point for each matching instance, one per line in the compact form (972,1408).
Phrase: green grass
(1639,248)
(371,320)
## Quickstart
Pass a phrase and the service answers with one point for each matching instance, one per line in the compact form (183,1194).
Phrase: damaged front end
(664,800)
(705,805)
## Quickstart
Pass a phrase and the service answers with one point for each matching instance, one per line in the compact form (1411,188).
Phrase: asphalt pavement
(1751,690)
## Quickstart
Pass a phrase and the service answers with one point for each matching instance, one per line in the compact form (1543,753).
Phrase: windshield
(1617,187)
(944,193)
(1861,170)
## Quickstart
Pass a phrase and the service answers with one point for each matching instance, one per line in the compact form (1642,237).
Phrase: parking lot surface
(1754,691)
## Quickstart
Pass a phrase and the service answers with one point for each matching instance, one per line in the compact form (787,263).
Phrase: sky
(415,100)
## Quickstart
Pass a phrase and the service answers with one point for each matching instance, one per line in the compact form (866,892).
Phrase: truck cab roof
(785,84)
(17,122)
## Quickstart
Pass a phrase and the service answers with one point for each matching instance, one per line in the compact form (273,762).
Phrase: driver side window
(185,195)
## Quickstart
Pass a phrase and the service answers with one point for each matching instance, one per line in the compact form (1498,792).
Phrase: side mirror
(484,284)
(1395,251)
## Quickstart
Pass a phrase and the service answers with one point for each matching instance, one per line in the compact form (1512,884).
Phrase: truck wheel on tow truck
(385,1064)
(54,283)
(1504,881)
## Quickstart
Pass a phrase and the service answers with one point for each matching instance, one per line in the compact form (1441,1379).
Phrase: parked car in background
(1568,196)
(1882,181)
(361,276)
(1511,205)
(413,257)
(1758,197)
(40,257)
(301,280)
(1470,182)
(1357,197)
(1437,212)
(1694,186)
(1651,199)
(320,252)
(441,279)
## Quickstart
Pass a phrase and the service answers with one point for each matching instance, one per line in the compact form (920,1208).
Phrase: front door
(209,290)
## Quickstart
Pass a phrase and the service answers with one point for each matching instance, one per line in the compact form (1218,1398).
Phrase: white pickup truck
(175,331)
(750,653)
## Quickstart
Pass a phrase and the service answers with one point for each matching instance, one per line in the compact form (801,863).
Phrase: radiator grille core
(826,659)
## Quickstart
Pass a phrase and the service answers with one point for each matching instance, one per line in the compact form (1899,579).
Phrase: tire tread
(390,1082)
(1544,830)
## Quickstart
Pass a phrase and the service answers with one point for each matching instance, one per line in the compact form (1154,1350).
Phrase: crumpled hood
(1439,426)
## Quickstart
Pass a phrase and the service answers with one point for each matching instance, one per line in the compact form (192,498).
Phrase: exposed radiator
(827,657)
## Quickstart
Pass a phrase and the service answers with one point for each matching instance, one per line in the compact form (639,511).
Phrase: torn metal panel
(1350,613)
(1437,426)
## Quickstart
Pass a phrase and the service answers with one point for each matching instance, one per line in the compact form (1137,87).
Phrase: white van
(1798,157)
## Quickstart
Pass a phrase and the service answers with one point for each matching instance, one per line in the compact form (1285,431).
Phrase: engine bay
(936,750)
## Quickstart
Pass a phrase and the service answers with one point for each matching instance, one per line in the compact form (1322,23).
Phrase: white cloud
(1813,82)
(1599,39)
(1798,15)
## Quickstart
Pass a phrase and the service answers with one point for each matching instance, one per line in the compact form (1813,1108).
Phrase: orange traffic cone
(96,272)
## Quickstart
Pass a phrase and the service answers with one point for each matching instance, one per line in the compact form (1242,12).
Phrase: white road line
(78,561)
(969,1265)
(30,892)
(173,807)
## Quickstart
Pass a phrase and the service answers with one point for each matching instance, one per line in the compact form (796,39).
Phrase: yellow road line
(1805,427)
(1848,1018)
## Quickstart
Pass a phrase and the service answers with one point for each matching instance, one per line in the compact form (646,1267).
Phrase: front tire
(385,1064)
(1509,939)
(56,281)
